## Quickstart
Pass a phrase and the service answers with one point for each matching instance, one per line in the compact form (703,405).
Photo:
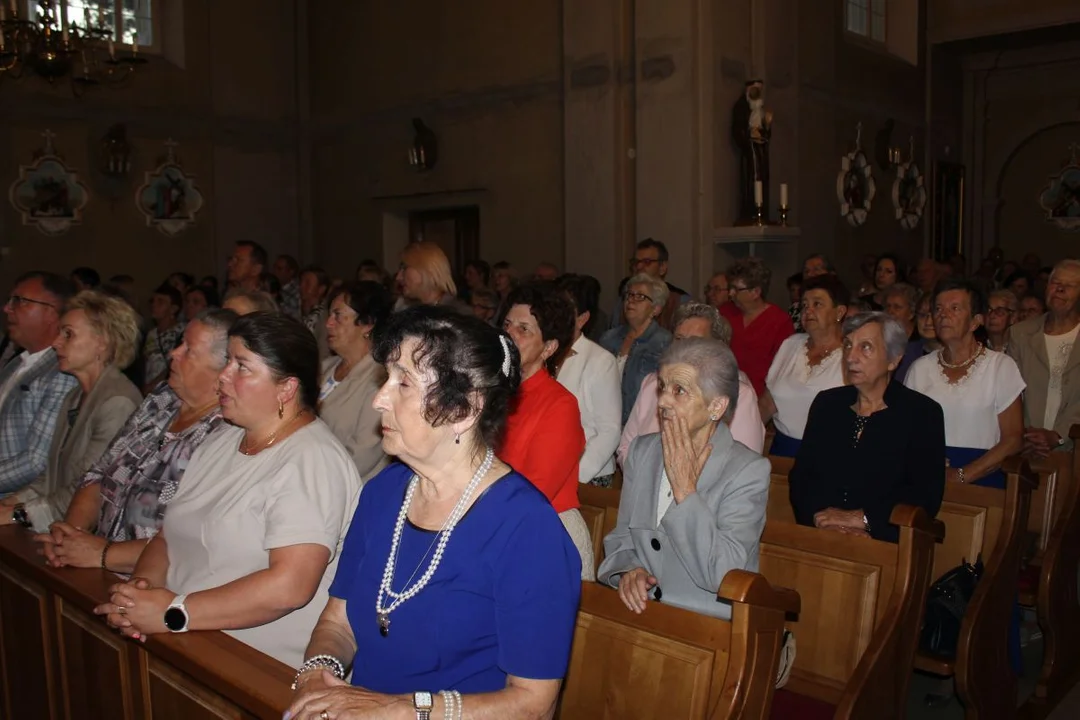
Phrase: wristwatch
(176,615)
(422,703)
(866,523)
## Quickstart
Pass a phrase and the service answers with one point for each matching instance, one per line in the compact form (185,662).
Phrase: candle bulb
(783,195)
(757,192)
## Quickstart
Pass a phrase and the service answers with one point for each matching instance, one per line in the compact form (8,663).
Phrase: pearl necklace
(382,614)
(974,356)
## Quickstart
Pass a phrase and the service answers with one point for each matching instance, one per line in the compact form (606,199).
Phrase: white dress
(972,405)
(232,509)
(793,384)
(592,375)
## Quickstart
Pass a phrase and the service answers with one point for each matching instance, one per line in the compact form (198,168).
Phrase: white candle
(757,192)
(64,35)
(783,195)
(15,7)
(112,49)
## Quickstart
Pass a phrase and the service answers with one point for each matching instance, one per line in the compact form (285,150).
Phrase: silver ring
(121,610)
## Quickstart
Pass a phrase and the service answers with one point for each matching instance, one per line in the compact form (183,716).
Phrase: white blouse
(793,384)
(592,375)
(972,405)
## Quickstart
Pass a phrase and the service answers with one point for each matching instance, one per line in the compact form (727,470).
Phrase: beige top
(79,441)
(232,509)
(347,411)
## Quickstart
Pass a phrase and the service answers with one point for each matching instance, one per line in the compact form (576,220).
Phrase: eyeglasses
(636,297)
(17,301)
(737,289)
(716,289)
(634,262)
(1000,311)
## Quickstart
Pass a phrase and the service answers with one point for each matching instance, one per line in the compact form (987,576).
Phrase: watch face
(175,619)
(422,700)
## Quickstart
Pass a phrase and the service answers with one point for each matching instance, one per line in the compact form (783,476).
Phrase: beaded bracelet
(105,553)
(452,705)
(328,662)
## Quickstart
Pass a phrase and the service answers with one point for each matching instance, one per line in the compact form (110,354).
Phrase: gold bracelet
(105,553)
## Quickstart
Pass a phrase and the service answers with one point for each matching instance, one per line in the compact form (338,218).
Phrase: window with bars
(865,18)
(131,20)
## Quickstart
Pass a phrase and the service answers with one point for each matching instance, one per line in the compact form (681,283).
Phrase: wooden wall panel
(94,667)
(29,671)
(174,696)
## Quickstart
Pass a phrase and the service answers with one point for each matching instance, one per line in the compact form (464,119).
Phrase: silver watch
(422,704)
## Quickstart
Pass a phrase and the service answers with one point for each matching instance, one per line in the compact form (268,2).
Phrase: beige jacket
(1027,346)
(77,446)
(349,414)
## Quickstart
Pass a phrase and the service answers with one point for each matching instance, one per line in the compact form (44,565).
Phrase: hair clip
(506,355)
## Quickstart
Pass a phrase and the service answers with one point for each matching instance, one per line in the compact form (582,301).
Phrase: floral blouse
(141,469)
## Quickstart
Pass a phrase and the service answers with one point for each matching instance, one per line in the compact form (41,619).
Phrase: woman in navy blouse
(457,585)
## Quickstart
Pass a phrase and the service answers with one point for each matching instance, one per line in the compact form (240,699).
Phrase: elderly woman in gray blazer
(693,500)
(351,377)
(98,338)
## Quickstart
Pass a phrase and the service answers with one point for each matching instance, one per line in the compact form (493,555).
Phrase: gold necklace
(974,356)
(271,438)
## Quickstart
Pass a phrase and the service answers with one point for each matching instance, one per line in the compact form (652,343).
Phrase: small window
(866,18)
(131,20)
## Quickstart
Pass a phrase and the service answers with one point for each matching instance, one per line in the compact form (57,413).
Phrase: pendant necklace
(382,613)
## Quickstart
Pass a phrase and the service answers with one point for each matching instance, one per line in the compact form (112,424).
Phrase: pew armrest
(743,586)
(914,517)
(1074,432)
(1022,468)
(938,530)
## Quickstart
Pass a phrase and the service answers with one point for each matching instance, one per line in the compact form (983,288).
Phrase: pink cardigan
(746,427)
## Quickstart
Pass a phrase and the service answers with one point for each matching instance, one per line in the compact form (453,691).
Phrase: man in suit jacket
(1046,351)
(31,387)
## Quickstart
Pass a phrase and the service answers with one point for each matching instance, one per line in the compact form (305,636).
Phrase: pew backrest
(674,663)
(600,510)
(779,507)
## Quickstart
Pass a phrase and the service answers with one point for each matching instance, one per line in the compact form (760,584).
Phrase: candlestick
(759,216)
(783,195)
(757,193)
(783,215)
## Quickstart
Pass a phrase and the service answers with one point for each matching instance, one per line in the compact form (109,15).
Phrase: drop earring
(457,438)
(280,409)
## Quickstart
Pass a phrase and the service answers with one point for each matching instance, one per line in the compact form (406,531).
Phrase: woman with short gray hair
(693,501)
(871,445)
(638,343)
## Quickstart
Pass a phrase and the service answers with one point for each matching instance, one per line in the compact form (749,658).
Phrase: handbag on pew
(945,606)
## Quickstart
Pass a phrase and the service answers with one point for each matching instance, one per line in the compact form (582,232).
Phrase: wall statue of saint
(751,128)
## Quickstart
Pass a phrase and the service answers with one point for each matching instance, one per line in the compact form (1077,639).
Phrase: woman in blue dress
(457,588)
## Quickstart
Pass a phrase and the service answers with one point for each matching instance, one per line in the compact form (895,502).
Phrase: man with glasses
(31,386)
(718,291)
(1045,349)
(651,258)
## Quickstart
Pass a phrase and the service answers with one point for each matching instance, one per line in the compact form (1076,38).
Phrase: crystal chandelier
(44,45)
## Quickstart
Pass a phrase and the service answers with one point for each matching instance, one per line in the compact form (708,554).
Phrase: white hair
(717,370)
(658,289)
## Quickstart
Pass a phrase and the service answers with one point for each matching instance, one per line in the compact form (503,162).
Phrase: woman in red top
(544,439)
(757,326)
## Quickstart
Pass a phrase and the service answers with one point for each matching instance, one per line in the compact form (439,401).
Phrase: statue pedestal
(776,245)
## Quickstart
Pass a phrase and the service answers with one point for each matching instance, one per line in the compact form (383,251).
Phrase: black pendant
(384,624)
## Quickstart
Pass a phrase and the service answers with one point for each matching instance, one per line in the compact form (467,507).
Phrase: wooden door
(456,230)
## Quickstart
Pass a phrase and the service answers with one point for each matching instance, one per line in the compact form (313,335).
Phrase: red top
(544,439)
(755,345)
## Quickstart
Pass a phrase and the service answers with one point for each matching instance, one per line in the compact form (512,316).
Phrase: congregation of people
(375,479)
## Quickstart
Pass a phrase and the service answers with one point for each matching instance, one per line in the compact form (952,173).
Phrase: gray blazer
(349,414)
(75,447)
(1027,346)
(714,530)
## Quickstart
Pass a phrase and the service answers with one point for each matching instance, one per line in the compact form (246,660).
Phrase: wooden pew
(600,510)
(673,663)
(779,498)
(862,603)
(1055,594)
(58,660)
(990,522)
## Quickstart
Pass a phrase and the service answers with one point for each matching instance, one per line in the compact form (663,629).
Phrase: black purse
(945,605)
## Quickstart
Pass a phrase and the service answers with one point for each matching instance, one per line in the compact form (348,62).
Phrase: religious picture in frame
(948,210)
(1060,199)
(47,193)
(908,195)
(168,198)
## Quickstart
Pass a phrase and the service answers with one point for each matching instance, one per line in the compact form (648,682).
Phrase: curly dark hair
(286,346)
(466,356)
(371,301)
(836,290)
(554,313)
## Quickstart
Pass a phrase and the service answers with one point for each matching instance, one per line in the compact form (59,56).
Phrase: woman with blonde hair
(98,338)
(424,277)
